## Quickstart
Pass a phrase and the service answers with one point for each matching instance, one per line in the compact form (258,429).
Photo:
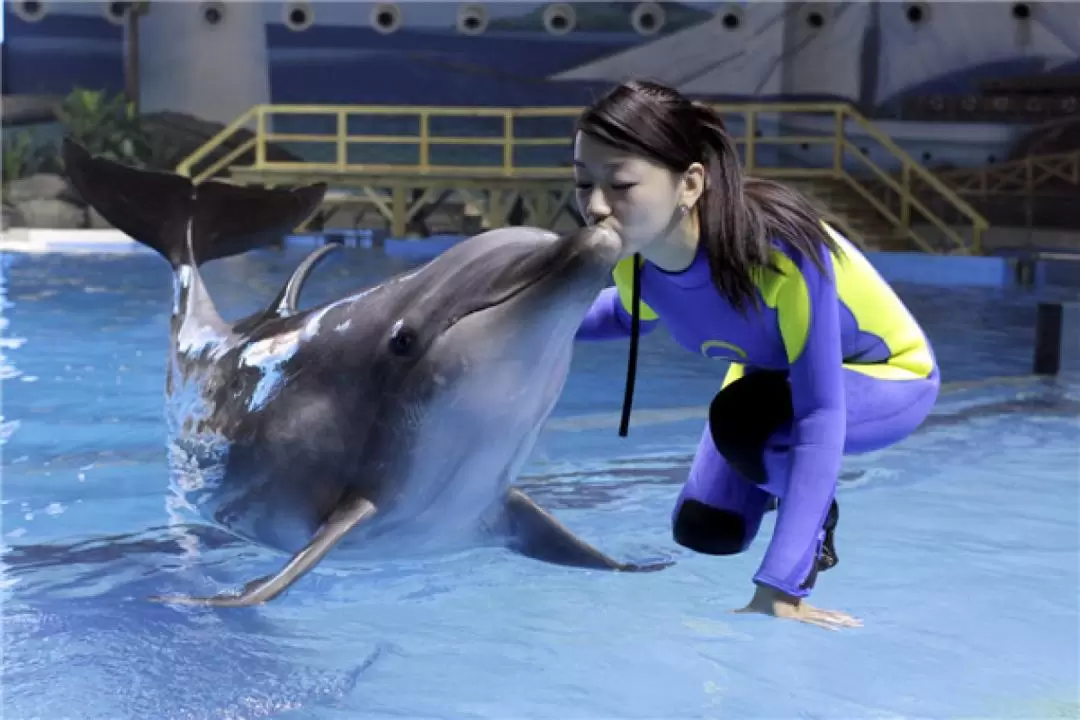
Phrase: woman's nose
(597,208)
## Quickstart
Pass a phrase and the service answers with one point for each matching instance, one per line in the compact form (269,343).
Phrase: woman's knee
(708,530)
(881,413)
(744,415)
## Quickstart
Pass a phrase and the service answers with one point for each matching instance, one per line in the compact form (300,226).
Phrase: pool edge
(899,267)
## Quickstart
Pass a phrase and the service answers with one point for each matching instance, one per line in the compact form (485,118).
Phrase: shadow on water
(87,601)
(83,603)
(572,489)
(162,542)
(156,663)
(580,488)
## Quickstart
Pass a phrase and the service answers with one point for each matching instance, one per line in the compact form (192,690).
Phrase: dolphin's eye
(402,339)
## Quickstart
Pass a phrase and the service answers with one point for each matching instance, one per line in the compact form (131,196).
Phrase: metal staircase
(401,160)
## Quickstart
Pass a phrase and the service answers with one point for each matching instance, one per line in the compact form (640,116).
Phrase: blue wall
(902,268)
(950,270)
(508,65)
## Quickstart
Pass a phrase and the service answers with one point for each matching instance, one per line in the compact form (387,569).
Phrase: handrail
(1026,178)
(1015,177)
(908,201)
(511,141)
(186,165)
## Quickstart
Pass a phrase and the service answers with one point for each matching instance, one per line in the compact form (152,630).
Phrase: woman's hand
(770,601)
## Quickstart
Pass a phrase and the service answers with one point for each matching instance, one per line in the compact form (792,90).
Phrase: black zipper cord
(631,367)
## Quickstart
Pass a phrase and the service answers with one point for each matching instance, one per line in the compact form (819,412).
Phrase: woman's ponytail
(740,216)
(730,228)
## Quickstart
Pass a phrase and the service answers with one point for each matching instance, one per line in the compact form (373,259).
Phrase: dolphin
(402,412)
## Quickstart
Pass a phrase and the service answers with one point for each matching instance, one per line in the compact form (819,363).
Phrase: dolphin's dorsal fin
(285,303)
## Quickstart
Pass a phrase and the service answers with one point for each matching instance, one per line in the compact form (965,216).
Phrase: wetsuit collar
(696,275)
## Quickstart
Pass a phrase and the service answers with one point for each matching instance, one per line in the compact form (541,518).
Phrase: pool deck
(902,267)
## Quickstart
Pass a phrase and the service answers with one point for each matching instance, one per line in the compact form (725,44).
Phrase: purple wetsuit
(857,371)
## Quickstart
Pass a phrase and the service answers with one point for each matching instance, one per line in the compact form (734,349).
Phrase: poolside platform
(399,166)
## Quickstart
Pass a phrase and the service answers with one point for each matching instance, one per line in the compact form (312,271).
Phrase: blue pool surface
(958,549)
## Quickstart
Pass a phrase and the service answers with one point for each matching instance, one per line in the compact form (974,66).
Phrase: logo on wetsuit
(721,350)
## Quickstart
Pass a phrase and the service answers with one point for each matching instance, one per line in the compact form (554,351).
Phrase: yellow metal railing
(1021,177)
(907,201)
(1027,180)
(240,123)
(832,134)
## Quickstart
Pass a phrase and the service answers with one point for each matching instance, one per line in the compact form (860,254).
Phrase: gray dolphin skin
(398,416)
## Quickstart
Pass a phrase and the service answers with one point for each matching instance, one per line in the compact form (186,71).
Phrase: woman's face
(636,197)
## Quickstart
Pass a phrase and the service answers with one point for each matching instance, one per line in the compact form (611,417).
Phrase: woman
(825,359)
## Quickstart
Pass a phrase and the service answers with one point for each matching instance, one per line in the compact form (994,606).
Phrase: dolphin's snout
(601,243)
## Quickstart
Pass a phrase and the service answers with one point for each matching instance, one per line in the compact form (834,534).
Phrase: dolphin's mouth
(495,302)
(548,267)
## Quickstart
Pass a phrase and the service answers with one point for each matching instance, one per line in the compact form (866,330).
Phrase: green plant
(23,156)
(16,156)
(105,126)
(161,153)
(111,127)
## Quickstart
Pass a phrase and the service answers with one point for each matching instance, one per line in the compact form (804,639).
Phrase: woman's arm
(608,319)
(817,389)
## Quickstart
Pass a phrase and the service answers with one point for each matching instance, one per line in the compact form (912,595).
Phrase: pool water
(958,549)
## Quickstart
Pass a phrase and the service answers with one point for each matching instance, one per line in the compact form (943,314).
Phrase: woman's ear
(693,185)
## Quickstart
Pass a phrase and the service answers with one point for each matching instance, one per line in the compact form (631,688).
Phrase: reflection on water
(979,505)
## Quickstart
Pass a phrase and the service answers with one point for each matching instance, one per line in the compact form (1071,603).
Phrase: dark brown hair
(739,215)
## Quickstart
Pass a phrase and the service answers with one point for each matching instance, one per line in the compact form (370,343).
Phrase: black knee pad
(744,415)
(709,531)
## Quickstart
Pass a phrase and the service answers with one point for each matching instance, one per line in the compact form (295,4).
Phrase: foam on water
(959,548)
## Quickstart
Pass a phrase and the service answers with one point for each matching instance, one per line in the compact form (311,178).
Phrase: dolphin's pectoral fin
(341,521)
(534,532)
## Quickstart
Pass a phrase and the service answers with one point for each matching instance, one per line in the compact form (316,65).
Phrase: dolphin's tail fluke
(162,210)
